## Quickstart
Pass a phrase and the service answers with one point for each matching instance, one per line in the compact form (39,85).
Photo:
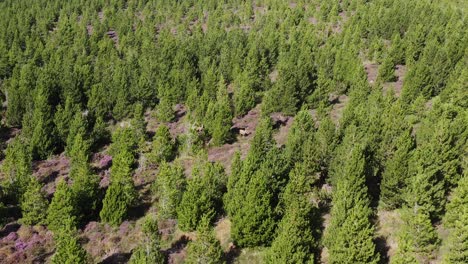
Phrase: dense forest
(234,131)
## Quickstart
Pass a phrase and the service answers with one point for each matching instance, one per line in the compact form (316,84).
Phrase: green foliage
(68,249)
(394,176)
(63,118)
(458,203)
(219,116)
(168,189)
(138,123)
(253,224)
(456,219)
(34,204)
(295,240)
(206,248)
(149,251)
(244,94)
(165,113)
(121,193)
(256,181)
(41,128)
(17,166)
(78,125)
(418,238)
(457,240)
(387,70)
(85,184)
(231,198)
(61,214)
(163,146)
(203,197)
(302,128)
(350,236)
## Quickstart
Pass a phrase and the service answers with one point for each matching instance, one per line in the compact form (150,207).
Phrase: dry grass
(388,226)
(223,233)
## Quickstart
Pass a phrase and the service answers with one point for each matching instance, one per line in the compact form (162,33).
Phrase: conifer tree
(350,236)
(17,166)
(138,123)
(85,185)
(63,118)
(41,129)
(163,146)
(254,223)
(395,174)
(458,240)
(68,249)
(231,198)
(78,125)
(222,116)
(301,129)
(168,188)
(206,248)
(34,204)
(418,238)
(244,93)
(458,202)
(62,207)
(203,197)
(121,193)
(387,70)
(325,139)
(165,113)
(149,251)
(456,219)
(295,240)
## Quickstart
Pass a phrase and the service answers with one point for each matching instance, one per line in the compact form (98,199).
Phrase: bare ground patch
(388,225)
(338,107)
(372,70)
(398,84)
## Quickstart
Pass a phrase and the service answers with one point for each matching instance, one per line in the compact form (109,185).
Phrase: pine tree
(149,251)
(203,197)
(350,236)
(295,241)
(68,249)
(458,202)
(244,94)
(168,188)
(418,238)
(99,134)
(222,116)
(34,204)
(250,197)
(206,248)
(325,139)
(63,118)
(62,207)
(302,128)
(163,146)
(458,240)
(41,129)
(17,166)
(78,125)
(387,70)
(231,199)
(254,222)
(138,124)
(121,193)
(456,219)
(395,174)
(85,184)
(165,113)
